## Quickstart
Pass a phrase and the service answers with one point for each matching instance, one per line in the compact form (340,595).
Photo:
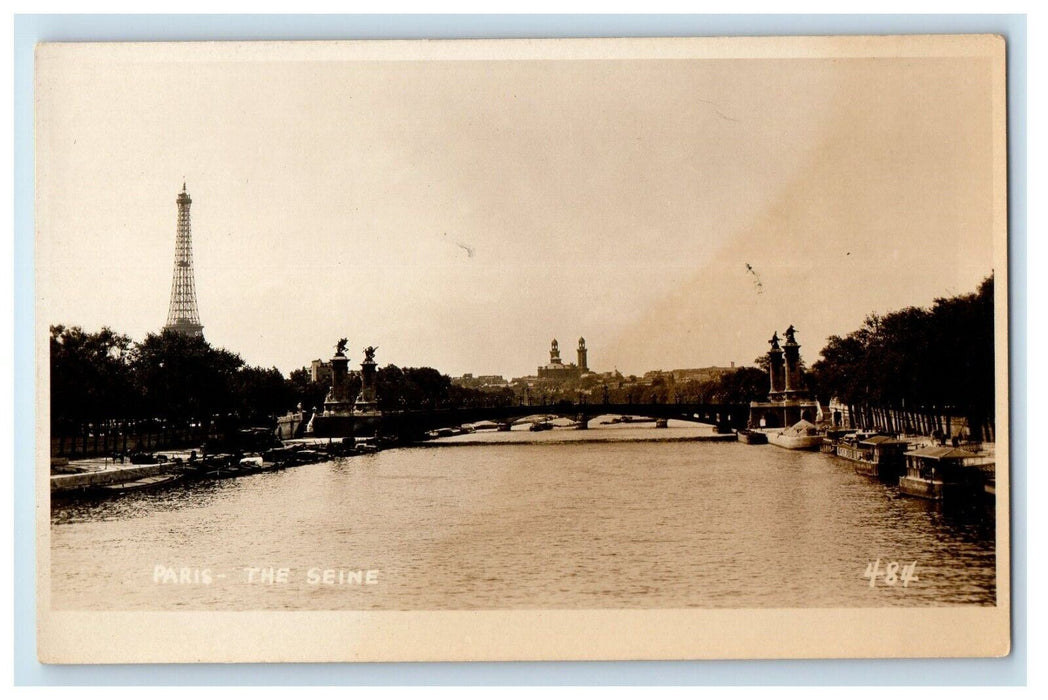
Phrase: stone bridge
(412,424)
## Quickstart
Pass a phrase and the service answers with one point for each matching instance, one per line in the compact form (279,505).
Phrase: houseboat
(832,437)
(802,435)
(878,456)
(945,473)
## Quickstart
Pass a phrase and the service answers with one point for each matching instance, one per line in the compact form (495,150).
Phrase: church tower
(583,367)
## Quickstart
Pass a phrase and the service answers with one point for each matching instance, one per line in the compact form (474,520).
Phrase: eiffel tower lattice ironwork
(182,314)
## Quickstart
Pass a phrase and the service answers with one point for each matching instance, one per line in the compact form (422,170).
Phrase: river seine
(560,519)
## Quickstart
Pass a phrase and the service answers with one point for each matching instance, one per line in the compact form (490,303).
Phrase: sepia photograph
(536,349)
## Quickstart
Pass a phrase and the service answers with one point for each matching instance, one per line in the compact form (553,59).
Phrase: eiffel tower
(182,314)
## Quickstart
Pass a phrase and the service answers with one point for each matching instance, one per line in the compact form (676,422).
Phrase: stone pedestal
(777,383)
(788,400)
(793,385)
(367,402)
(781,414)
(338,402)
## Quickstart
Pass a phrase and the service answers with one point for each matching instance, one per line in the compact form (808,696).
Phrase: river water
(603,518)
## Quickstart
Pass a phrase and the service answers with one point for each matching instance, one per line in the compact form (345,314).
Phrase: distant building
(481,381)
(320,372)
(557,371)
(701,374)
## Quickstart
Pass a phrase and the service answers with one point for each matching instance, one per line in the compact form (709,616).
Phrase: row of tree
(104,376)
(937,360)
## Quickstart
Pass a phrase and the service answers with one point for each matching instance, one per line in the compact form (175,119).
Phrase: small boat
(802,435)
(308,456)
(661,423)
(224,472)
(753,437)
(224,467)
(540,426)
(259,465)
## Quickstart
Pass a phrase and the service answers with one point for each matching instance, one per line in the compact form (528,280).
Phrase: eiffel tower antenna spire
(182,314)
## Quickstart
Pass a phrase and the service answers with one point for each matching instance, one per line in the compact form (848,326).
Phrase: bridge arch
(406,424)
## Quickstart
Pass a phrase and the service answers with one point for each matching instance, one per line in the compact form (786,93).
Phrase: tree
(90,375)
(180,377)
(261,393)
(303,390)
(742,385)
(938,360)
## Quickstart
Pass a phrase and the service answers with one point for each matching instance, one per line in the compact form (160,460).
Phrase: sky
(461,214)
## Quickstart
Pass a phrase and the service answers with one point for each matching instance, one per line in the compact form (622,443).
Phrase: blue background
(30,29)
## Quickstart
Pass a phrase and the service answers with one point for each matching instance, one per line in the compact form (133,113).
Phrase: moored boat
(802,435)
(878,456)
(753,437)
(945,473)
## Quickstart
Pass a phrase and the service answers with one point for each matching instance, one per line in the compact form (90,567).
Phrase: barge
(802,435)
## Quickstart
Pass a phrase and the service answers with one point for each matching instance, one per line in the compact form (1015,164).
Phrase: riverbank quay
(110,474)
(102,478)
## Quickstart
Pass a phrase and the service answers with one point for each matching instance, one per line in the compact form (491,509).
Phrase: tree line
(179,379)
(400,389)
(105,376)
(937,360)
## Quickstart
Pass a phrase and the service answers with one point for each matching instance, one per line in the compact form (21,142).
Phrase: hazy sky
(461,214)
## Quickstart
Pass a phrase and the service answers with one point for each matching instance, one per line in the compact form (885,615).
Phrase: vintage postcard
(538,349)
